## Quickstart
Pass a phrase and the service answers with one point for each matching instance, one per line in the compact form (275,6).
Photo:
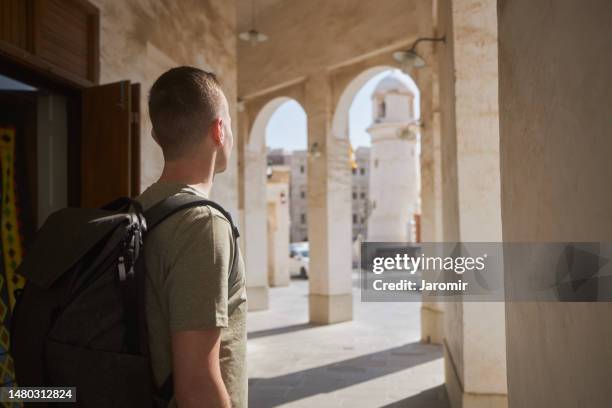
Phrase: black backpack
(80,319)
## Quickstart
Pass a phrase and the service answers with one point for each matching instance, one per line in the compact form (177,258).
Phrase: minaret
(394,175)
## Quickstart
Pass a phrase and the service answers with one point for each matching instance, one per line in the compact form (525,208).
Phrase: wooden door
(109,150)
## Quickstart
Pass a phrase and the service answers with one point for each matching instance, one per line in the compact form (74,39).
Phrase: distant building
(394,175)
(360,193)
(298,190)
(298,200)
(298,206)
(278,157)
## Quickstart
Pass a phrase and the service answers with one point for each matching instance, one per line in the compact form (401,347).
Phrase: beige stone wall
(140,39)
(555,139)
(474,332)
(448,151)
(453,312)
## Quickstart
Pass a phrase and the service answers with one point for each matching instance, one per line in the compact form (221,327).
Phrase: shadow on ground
(280,330)
(275,391)
(432,398)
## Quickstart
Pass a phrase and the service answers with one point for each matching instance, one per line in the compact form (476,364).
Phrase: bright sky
(287,126)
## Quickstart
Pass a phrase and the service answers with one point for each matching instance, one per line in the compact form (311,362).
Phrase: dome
(391,83)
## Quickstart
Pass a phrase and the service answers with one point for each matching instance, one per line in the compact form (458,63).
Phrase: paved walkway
(374,361)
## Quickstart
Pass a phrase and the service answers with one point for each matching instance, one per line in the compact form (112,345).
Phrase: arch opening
(275,199)
(379,113)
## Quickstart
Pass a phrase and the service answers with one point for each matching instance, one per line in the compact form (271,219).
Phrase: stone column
(475,348)
(432,314)
(329,210)
(254,214)
(278,227)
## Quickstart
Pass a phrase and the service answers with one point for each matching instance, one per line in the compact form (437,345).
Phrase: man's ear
(154,136)
(217,132)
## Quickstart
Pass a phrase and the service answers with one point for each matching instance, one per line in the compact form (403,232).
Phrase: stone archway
(255,206)
(345,98)
(349,80)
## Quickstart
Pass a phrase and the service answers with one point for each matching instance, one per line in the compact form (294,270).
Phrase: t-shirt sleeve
(197,282)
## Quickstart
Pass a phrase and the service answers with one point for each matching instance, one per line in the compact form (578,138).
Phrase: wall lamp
(411,131)
(315,150)
(409,59)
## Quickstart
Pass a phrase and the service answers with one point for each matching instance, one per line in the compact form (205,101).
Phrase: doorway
(36,158)
(60,145)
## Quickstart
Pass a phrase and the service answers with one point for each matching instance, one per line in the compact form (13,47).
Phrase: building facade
(298,200)
(360,198)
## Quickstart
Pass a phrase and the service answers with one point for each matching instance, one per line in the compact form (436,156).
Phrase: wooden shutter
(66,35)
(58,38)
(108,149)
(15,23)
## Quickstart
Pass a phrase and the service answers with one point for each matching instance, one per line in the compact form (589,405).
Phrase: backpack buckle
(121,269)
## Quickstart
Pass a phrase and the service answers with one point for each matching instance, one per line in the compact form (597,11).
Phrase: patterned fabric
(12,250)
(11,227)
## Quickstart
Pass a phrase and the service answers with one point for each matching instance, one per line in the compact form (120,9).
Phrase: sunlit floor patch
(374,361)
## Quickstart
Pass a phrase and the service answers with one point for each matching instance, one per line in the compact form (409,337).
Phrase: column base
(329,309)
(279,281)
(257,298)
(432,325)
(459,398)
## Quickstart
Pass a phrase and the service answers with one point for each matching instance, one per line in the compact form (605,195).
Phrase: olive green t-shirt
(188,258)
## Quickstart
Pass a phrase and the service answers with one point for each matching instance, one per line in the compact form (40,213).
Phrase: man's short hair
(183,102)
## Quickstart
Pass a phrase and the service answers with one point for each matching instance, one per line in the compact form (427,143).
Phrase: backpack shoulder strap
(173,204)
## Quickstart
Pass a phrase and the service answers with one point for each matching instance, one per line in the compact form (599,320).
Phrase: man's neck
(192,173)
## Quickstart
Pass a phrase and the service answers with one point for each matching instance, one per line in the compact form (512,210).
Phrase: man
(195,316)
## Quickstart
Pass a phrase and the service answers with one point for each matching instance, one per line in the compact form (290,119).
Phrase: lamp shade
(409,60)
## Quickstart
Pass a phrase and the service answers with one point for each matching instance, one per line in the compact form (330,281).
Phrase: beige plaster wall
(555,126)
(140,39)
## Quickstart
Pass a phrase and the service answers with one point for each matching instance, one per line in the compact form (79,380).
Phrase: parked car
(298,259)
